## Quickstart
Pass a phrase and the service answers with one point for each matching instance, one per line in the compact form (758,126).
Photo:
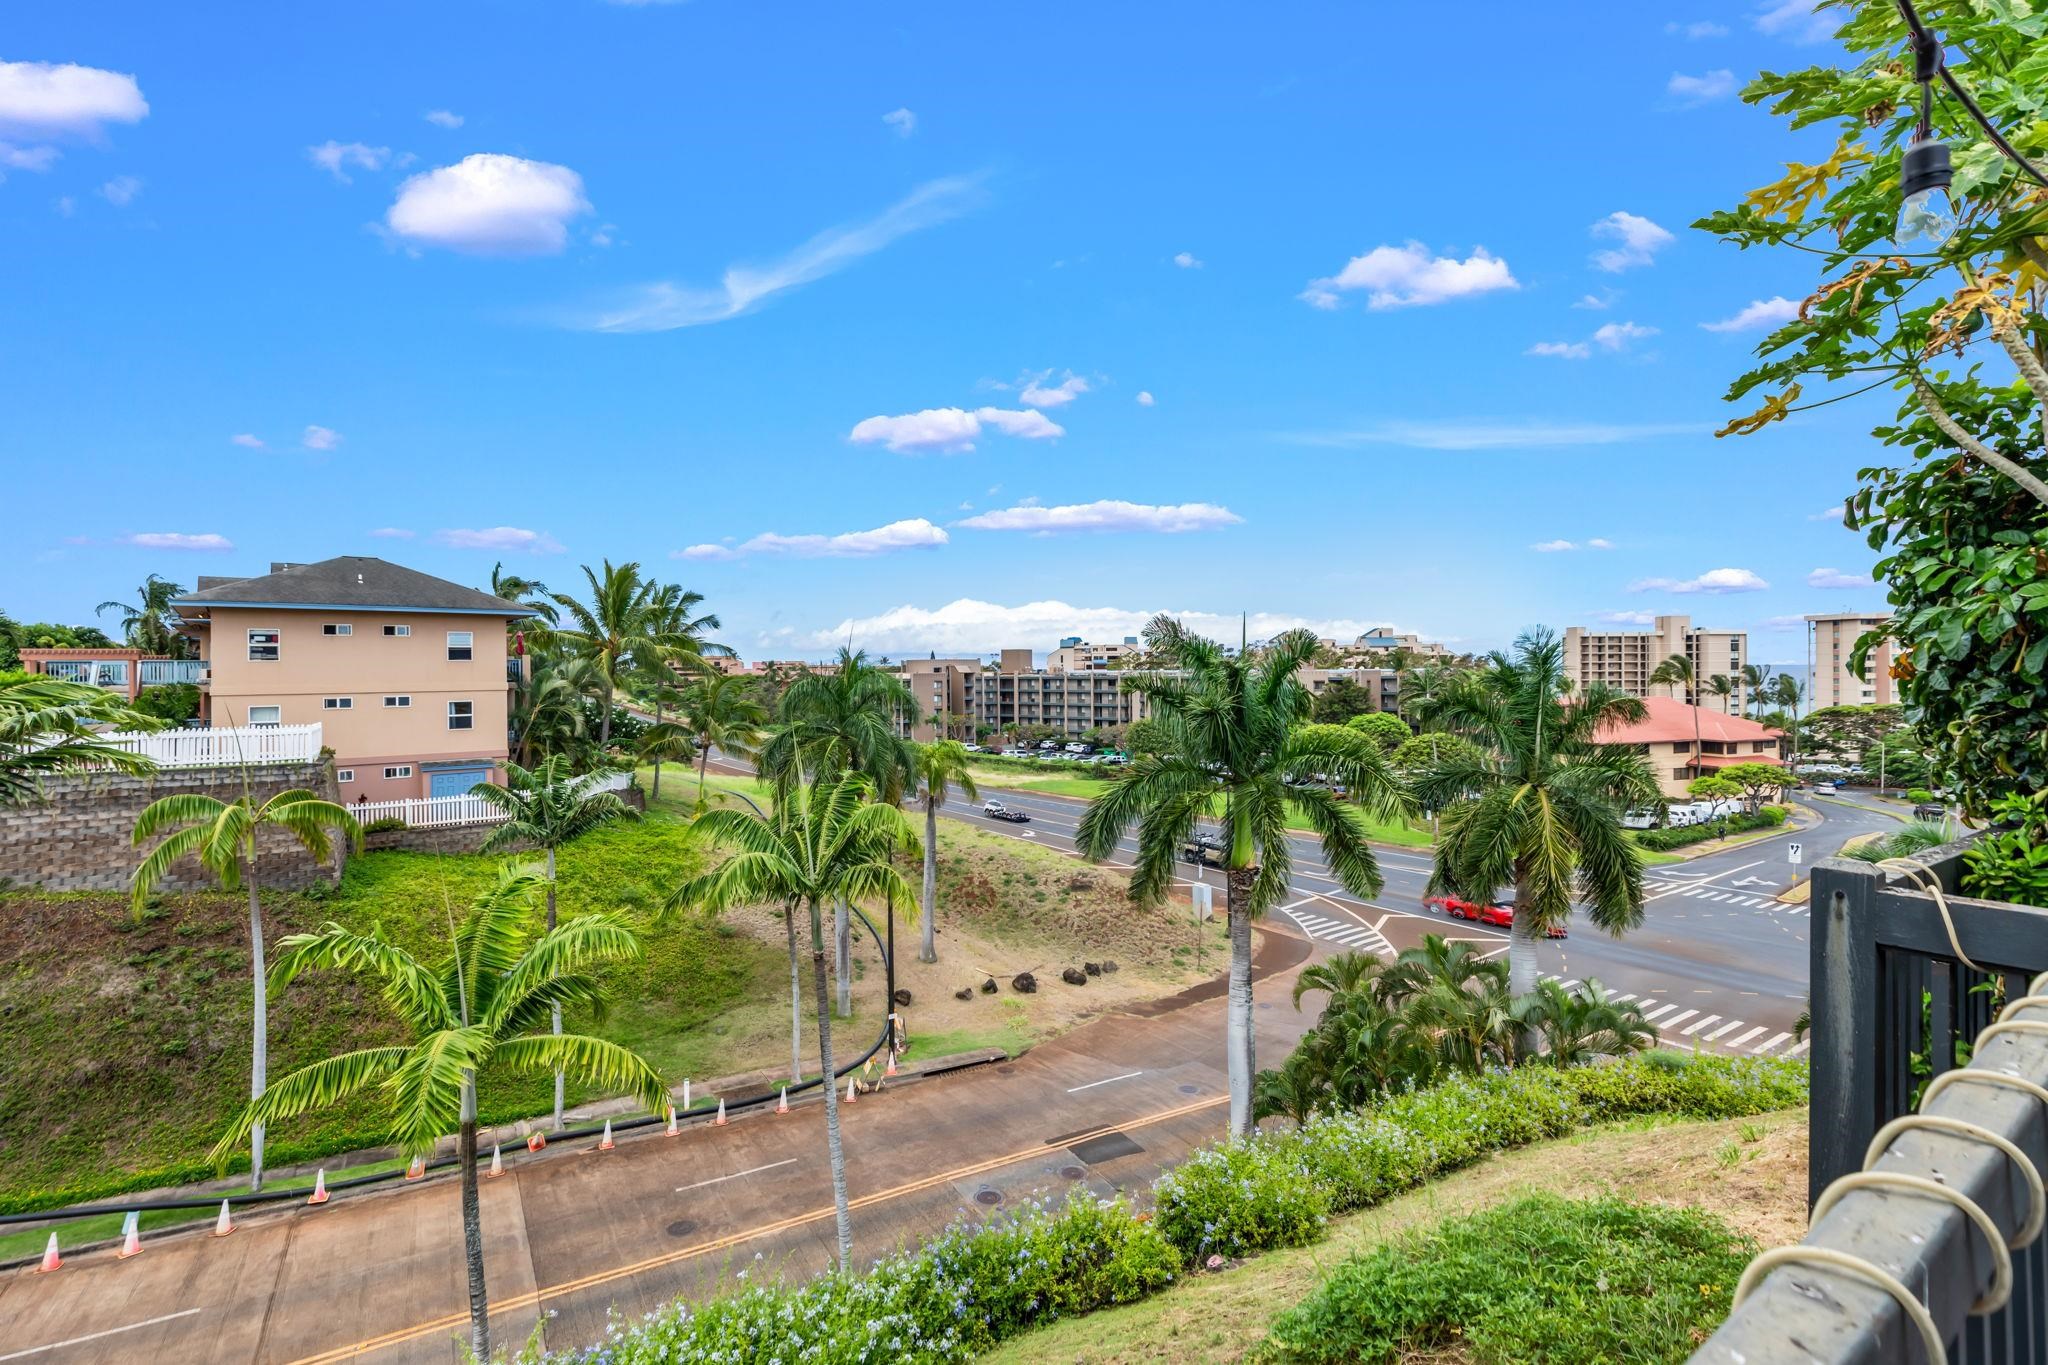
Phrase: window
(404,770)
(338,703)
(398,701)
(1681,772)
(337,628)
(398,630)
(344,774)
(461,715)
(459,642)
(264,715)
(262,646)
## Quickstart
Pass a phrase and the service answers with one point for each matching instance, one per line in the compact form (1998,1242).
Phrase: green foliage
(1919,796)
(1712,788)
(964,1292)
(1144,738)
(1774,815)
(1540,1280)
(1341,701)
(1387,731)
(1908,842)
(1678,836)
(1756,780)
(1846,733)
(50,726)
(173,702)
(16,636)
(2011,862)
(1418,752)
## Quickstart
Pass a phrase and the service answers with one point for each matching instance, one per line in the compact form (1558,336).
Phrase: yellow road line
(555,1291)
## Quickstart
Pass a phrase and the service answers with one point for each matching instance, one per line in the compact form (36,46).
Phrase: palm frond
(310,1087)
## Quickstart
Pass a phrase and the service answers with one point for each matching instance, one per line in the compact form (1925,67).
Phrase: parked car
(996,810)
(1206,849)
(1642,818)
(1077,748)
(1046,745)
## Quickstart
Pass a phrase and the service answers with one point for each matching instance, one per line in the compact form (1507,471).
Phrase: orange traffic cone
(890,1069)
(605,1143)
(417,1169)
(224,1224)
(720,1120)
(672,1130)
(849,1089)
(537,1141)
(131,1237)
(497,1164)
(782,1105)
(319,1187)
(51,1260)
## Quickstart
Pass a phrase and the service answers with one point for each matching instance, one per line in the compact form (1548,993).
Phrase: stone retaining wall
(79,837)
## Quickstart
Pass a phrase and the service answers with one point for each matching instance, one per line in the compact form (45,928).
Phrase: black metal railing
(1905,982)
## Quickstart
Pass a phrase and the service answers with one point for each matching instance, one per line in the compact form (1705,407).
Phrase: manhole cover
(1191,1090)
(987,1197)
(1108,1147)
(682,1227)
(1072,1173)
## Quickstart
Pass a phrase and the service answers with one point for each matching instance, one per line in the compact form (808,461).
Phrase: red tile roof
(1729,760)
(1669,721)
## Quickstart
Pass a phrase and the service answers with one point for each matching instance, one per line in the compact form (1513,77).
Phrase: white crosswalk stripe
(1738,1042)
(1675,1020)
(1767,1046)
(1725,1028)
(1691,1029)
(1651,1015)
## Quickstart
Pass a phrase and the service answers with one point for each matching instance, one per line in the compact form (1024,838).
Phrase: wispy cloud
(206,543)
(913,534)
(1827,514)
(970,626)
(1775,311)
(1597,543)
(500,538)
(1704,88)
(1696,30)
(901,122)
(248,441)
(1835,578)
(1106,515)
(1145,399)
(1187,260)
(1798,21)
(1714,582)
(1551,547)
(1561,350)
(321,438)
(1640,240)
(1040,393)
(392,533)
(1531,434)
(338,158)
(950,431)
(665,306)
(443,118)
(1612,336)
(1626,618)
(122,190)
(1409,276)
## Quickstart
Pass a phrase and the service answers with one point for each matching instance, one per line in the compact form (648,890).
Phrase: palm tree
(1540,808)
(547,711)
(1757,679)
(223,835)
(1720,685)
(940,765)
(1472,1024)
(844,720)
(628,623)
(146,622)
(720,710)
(672,609)
(545,808)
(530,593)
(1677,671)
(1233,737)
(825,842)
(477,1006)
(664,741)
(51,726)
(1339,974)
(1583,1023)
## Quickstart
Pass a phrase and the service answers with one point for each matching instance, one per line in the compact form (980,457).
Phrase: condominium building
(1387,638)
(1684,742)
(1625,659)
(1074,655)
(1831,642)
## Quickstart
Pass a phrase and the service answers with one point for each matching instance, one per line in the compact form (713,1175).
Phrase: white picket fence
(226,747)
(435,812)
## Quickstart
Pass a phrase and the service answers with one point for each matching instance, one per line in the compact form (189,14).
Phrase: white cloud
(967,626)
(1408,276)
(949,431)
(178,540)
(1775,311)
(1640,241)
(248,441)
(1713,582)
(1106,515)
(1561,350)
(1599,303)
(913,534)
(1039,394)
(15,158)
(1551,547)
(1615,336)
(1145,399)
(443,118)
(121,191)
(1827,514)
(66,206)
(1698,29)
(503,538)
(392,533)
(1187,260)
(1028,425)
(320,438)
(337,157)
(665,306)
(1626,618)
(1785,623)
(490,204)
(1701,89)
(1596,543)
(1794,20)
(43,99)
(1458,434)
(1835,578)
(901,121)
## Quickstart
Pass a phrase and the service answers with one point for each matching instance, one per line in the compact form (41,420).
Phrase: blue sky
(1312,311)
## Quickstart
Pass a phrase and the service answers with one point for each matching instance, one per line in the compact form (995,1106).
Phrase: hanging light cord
(1927,51)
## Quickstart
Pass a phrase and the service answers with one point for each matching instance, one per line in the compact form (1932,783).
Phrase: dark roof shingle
(358,582)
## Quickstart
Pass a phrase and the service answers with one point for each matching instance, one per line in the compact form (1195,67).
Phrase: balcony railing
(225,747)
(439,812)
(167,672)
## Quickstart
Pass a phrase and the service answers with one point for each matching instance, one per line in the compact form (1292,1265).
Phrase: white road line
(1077,1089)
(1619,999)
(718,1179)
(1767,1046)
(1738,1042)
(1675,1020)
(1691,1029)
(1726,1028)
(1799,1047)
(95,1336)
(1651,1015)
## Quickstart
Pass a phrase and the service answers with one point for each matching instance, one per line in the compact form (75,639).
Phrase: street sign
(1792,852)
(1205,905)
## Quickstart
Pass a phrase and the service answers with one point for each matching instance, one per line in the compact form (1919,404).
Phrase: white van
(1644,817)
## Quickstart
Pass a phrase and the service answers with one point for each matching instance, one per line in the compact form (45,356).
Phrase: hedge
(976,1286)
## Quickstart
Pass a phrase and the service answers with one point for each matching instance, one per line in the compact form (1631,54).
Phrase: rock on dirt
(1074,976)
(903,995)
(1092,968)
(1024,983)
(1108,967)
(988,986)
(964,993)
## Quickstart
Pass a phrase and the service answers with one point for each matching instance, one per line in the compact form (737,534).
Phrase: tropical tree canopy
(50,726)
(147,623)
(844,718)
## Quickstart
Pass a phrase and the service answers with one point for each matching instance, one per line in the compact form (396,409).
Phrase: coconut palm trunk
(654,788)
(842,938)
(473,1224)
(554,1014)
(928,950)
(259,1052)
(796,997)
(1239,1042)
(703,763)
(1522,940)
(604,724)
(834,1150)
